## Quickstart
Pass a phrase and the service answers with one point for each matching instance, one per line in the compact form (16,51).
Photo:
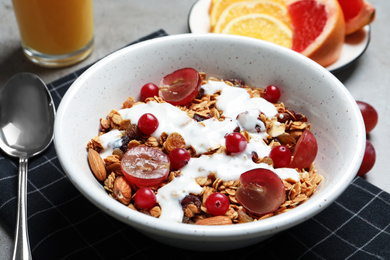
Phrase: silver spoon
(26,128)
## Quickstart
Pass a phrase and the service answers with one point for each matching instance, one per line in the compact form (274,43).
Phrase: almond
(218,220)
(122,190)
(97,165)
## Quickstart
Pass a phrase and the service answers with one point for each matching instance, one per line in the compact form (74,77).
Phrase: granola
(284,128)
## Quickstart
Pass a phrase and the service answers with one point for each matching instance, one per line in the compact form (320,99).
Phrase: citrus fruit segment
(318,29)
(357,14)
(235,10)
(218,6)
(261,26)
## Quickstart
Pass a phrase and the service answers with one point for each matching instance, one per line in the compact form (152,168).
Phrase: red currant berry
(368,159)
(235,143)
(281,156)
(147,123)
(217,204)
(149,90)
(179,158)
(271,94)
(145,198)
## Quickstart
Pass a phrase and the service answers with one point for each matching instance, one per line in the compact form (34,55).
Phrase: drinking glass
(55,33)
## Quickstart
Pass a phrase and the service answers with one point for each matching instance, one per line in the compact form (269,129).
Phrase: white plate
(354,46)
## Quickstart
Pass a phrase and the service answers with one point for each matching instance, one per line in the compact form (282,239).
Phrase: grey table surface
(120,22)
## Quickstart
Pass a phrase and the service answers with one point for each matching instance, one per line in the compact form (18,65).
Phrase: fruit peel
(363,18)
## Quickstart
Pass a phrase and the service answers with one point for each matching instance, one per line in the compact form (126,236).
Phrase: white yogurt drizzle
(202,136)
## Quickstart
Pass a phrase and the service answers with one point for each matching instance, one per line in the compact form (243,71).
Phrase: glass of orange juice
(55,33)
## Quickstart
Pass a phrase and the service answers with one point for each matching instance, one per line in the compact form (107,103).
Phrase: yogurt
(239,109)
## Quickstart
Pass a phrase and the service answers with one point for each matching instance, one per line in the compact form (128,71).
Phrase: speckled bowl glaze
(306,87)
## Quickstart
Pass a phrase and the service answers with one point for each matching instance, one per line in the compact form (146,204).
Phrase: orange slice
(318,29)
(357,14)
(235,10)
(218,6)
(261,26)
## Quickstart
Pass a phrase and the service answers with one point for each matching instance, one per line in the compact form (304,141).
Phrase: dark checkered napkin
(65,225)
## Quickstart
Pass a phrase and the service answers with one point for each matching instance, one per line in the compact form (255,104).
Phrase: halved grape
(305,151)
(145,166)
(180,87)
(261,191)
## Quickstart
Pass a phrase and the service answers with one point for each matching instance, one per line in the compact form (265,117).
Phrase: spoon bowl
(26,129)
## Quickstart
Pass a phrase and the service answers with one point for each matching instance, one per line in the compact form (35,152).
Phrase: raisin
(132,132)
(237,82)
(237,129)
(191,199)
(199,118)
(283,117)
(297,116)
(125,141)
(255,157)
(200,94)
(187,220)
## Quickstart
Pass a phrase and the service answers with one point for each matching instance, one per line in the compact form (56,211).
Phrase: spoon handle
(22,244)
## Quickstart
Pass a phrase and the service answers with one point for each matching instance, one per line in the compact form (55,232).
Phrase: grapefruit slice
(261,26)
(218,6)
(318,29)
(235,10)
(357,14)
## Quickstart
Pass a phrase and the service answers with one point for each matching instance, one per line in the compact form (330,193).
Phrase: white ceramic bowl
(306,87)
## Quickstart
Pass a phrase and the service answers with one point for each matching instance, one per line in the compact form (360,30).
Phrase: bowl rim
(148,223)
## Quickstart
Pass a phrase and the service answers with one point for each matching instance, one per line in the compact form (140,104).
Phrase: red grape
(180,87)
(145,198)
(147,123)
(217,204)
(368,159)
(261,191)
(179,158)
(149,90)
(271,94)
(235,143)
(145,166)
(281,156)
(370,116)
(305,151)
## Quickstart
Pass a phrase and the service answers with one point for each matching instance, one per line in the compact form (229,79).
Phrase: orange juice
(54,27)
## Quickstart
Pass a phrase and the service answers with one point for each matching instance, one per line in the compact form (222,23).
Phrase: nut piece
(97,165)
(122,190)
(218,220)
